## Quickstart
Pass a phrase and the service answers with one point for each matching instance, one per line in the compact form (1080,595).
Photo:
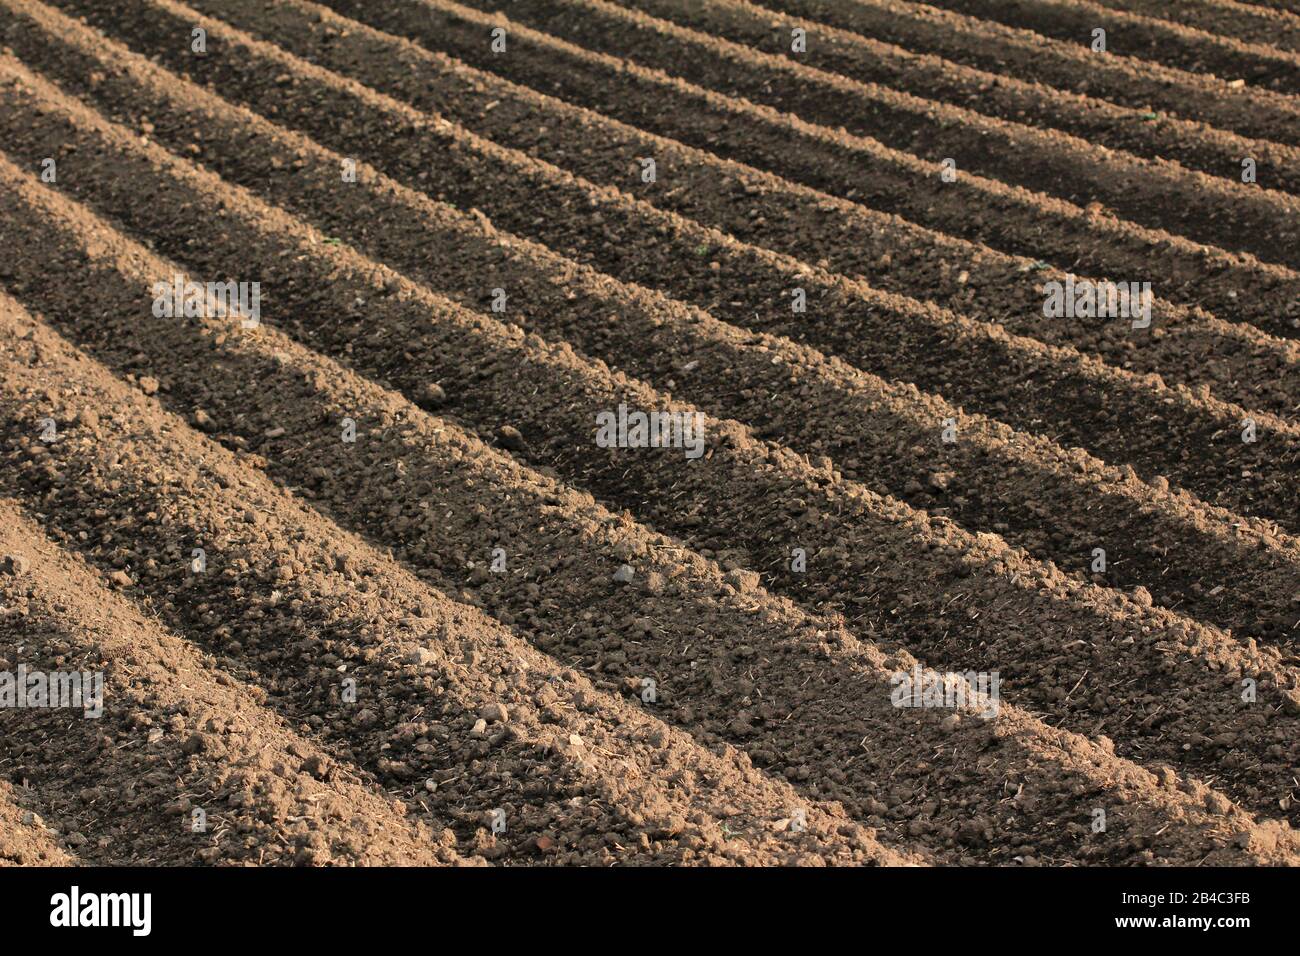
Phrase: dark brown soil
(1195,43)
(607,648)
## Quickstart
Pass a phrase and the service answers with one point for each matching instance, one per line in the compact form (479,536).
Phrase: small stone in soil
(510,437)
(420,656)
(494,711)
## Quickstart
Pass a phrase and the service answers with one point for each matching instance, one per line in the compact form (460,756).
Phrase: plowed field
(906,569)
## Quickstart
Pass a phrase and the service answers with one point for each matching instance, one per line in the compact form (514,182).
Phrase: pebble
(318,766)
(1217,803)
(624,574)
(494,711)
(121,579)
(1290,702)
(434,394)
(742,581)
(14,564)
(149,385)
(420,655)
(510,437)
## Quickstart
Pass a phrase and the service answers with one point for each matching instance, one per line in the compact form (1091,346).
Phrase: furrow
(1138,84)
(1275,28)
(752,502)
(1190,346)
(298,607)
(892,254)
(168,734)
(727,656)
(1287,6)
(1142,37)
(1137,132)
(1139,193)
(1223,568)
(1082,402)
